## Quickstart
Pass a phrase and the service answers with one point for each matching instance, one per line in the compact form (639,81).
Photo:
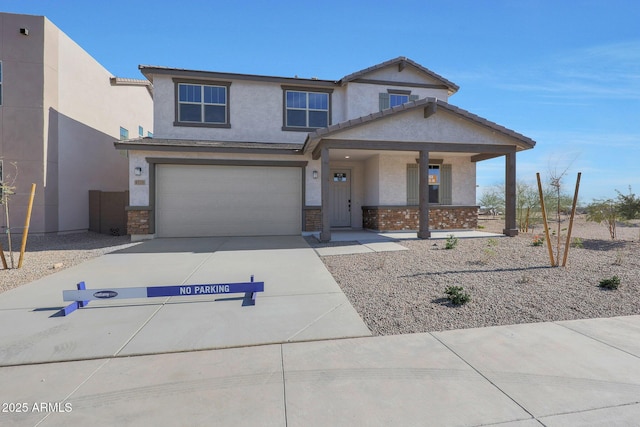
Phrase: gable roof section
(401,62)
(431,105)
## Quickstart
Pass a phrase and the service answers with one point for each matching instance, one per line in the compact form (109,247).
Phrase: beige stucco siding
(372,177)
(256,114)
(408,75)
(313,193)
(386,178)
(463,177)
(22,118)
(364,99)
(90,113)
(58,120)
(411,126)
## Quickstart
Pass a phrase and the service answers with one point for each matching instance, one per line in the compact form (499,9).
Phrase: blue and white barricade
(82,296)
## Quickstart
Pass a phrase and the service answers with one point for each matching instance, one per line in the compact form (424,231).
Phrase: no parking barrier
(82,296)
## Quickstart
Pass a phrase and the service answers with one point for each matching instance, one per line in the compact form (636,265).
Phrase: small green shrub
(492,242)
(577,243)
(537,240)
(456,295)
(452,242)
(611,283)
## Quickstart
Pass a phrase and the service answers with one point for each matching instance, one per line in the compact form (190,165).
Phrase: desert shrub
(537,240)
(628,205)
(457,295)
(577,243)
(611,283)
(451,242)
(604,211)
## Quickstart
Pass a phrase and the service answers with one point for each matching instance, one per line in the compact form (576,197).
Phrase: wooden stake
(573,214)
(4,260)
(544,219)
(27,221)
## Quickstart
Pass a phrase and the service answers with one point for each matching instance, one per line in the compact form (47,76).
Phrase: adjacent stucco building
(60,111)
(381,148)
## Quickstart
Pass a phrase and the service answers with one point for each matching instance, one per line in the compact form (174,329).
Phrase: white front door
(340,198)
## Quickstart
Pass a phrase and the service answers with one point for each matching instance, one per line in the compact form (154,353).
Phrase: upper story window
(397,99)
(140,131)
(306,110)
(393,97)
(124,133)
(202,104)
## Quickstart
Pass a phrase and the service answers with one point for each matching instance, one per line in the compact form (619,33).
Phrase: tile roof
(155,143)
(122,81)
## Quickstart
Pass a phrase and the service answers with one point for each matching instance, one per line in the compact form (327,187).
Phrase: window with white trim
(306,110)
(202,104)
(124,133)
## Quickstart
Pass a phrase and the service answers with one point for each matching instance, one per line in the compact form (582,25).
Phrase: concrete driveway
(301,302)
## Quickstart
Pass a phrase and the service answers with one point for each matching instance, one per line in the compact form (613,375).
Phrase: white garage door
(204,200)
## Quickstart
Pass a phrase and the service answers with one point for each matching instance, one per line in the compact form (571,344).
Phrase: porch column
(423,232)
(510,228)
(325,234)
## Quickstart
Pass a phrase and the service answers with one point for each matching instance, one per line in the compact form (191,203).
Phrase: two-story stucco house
(60,111)
(382,149)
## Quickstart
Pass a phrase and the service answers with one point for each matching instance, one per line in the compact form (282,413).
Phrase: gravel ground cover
(509,280)
(51,253)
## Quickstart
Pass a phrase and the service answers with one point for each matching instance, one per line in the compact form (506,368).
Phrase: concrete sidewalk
(301,302)
(346,242)
(572,373)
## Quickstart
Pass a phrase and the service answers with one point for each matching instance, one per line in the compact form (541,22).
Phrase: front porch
(411,167)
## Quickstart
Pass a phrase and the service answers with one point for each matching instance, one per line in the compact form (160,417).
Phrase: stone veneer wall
(388,218)
(312,219)
(138,221)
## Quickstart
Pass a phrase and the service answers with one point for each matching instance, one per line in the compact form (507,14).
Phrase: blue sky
(565,73)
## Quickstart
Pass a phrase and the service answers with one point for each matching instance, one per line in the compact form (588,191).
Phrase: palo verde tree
(604,212)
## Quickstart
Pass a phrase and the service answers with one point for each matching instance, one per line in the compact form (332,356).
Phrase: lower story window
(439,184)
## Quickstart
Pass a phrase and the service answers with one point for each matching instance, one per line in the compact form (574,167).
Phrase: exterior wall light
(315,174)
(137,171)
(24,31)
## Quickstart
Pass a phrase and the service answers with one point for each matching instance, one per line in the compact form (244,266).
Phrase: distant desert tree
(604,212)
(628,205)
(492,198)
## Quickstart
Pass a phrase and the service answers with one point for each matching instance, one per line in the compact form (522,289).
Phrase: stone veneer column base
(138,221)
(395,218)
(312,218)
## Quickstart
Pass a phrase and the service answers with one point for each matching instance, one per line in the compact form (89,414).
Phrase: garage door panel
(200,200)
